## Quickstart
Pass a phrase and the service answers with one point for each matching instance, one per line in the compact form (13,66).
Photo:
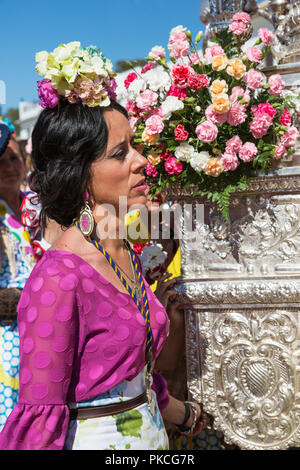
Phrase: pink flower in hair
(48,96)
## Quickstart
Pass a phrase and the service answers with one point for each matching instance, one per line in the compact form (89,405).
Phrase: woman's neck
(110,232)
(12,199)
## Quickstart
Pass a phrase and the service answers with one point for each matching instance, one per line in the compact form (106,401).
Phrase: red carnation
(165,154)
(180,133)
(180,75)
(138,247)
(130,78)
(196,81)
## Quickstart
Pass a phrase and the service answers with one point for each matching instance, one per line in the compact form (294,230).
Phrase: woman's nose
(140,161)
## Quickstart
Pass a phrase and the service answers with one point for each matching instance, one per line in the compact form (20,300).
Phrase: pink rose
(213,51)
(229,161)
(236,114)
(172,166)
(280,151)
(254,54)
(237,27)
(289,137)
(207,131)
(276,85)
(265,35)
(253,79)
(180,49)
(234,144)
(214,117)
(285,118)
(130,78)
(248,151)
(260,125)
(242,16)
(265,108)
(151,170)
(146,100)
(154,124)
(178,92)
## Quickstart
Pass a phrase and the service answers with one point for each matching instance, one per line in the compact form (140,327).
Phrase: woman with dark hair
(16,263)
(90,326)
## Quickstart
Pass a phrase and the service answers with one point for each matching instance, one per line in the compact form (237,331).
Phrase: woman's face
(120,170)
(12,169)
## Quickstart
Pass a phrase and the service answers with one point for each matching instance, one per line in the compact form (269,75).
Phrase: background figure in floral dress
(16,261)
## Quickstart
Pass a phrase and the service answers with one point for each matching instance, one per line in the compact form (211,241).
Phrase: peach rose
(236,68)
(219,62)
(221,104)
(218,87)
(214,167)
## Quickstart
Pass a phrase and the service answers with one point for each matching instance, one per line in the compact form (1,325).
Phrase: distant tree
(123,65)
(13,115)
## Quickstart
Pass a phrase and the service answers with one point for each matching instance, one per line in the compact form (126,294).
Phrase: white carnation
(152,256)
(135,88)
(184,152)
(157,79)
(177,29)
(170,105)
(199,161)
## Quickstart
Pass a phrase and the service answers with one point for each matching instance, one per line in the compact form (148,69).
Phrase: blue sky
(122,29)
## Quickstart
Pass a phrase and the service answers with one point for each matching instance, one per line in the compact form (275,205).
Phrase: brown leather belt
(88,412)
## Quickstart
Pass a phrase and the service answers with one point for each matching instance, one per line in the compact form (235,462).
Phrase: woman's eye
(120,155)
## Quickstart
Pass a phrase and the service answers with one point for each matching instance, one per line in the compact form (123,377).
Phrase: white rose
(199,161)
(157,79)
(184,152)
(170,105)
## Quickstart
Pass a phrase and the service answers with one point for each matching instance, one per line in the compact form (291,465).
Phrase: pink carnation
(234,144)
(180,49)
(237,27)
(132,108)
(254,54)
(194,58)
(248,151)
(214,117)
(130,78)
(207,131)
(276,85)
(180,133)
(289,137)
(154,124)
(242,16)
(172,166)
(151,65)
(265,108)
(196,81)
(238,91)
(179,36)
(157,52)
(48,96)
(229,160)
(260,125)
(253,79)
(132,122)
(151,170)
(285,118)
(236,114)
(265,35)
(146,100)
(213,51)
(178,92)
(280,151)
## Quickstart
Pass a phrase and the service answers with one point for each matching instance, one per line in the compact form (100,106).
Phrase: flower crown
(79,74)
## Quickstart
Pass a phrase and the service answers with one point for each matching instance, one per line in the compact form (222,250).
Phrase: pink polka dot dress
(79,337)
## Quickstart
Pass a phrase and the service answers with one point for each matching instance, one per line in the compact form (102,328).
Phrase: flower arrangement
(79,74)
(210,122)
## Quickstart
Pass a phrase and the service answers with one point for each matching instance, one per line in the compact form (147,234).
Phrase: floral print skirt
(135,429)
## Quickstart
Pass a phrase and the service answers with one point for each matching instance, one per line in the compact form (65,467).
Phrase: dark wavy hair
(65,142)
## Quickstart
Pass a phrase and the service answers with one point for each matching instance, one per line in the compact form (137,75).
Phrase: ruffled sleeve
(48,328)
(160,387)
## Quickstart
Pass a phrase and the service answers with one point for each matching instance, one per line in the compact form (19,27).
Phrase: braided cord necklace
(144,309)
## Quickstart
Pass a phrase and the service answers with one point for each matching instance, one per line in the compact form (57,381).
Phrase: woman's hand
(175,412)
(164,289)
